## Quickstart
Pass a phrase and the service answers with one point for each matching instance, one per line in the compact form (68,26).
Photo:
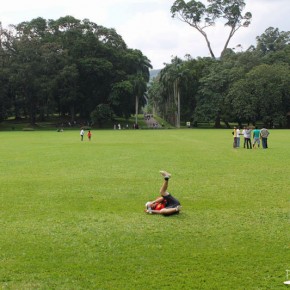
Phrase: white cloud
(148,26)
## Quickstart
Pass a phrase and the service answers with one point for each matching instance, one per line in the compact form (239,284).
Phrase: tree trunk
(32,113)
(218,121)
(232,32)
(227,124)
(208,43)
(136,109)
(72,113)
(178,108)
(177,102)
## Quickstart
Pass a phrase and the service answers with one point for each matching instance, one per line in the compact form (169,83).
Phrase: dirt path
(151,122)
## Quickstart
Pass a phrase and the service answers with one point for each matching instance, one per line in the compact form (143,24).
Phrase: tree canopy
(78,69)
(241,87)
(68,67)
(199,16)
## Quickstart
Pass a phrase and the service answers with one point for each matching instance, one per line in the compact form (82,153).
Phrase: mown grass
(72,212)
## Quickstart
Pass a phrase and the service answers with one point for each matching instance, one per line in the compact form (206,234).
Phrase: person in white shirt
(82,133)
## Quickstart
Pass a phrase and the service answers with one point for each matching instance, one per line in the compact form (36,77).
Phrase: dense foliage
(242,87)
(68,67)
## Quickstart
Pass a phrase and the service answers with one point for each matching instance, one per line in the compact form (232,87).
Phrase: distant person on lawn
(89,135)
(82,133)
(235,137)
(264,133)
(244,134)
(166,204)
(256,137)
(238,133)
(248,138)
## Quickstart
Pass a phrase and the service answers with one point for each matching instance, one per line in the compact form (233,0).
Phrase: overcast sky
(147,24)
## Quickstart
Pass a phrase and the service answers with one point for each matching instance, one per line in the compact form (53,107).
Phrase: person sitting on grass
(166,204)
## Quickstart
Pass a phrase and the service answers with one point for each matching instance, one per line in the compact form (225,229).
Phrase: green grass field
(72,212)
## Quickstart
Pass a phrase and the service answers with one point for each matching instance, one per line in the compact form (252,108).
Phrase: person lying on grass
(166,204)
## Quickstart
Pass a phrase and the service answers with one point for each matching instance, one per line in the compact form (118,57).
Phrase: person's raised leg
(163,189)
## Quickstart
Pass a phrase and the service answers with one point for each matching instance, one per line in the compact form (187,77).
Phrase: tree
(189,86)
(120,98)
(155,101)
(272,40)
(172,77)
(138,67)
(264,94)
(32,69)
(102,113)
(242,103)
(5,103)
(102,61)
(200,16)
(68,66)
(26,69)
(210,98)
(69,89)
(5,89)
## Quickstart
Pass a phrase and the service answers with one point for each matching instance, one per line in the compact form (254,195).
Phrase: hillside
(154,73)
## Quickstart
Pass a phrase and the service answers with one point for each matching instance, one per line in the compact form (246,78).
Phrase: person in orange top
(89,135)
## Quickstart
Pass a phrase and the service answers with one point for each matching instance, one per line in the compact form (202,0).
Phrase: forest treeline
(77,69)
(69,68)
(241,86)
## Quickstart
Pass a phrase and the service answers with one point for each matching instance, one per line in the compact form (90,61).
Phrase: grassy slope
(72,212)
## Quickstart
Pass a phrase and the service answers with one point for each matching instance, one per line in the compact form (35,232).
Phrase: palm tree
(140,78)
(173,74)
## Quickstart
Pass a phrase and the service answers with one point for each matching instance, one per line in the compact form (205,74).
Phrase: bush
(28,129)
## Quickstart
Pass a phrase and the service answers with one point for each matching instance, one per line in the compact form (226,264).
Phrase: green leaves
(242,87)
(79,61)
(262,95)
(272,40)
(102,113)
(199,16)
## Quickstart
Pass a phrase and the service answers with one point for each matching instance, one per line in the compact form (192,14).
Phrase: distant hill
(154,73)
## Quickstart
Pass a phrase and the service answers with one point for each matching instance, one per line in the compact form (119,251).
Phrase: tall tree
(199,16)
(172,77)
(272,40)
(26,68)
(138,66)
(155,101)
(263,94)
(5,60)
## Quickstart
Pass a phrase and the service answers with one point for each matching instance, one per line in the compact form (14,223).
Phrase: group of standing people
(247,132)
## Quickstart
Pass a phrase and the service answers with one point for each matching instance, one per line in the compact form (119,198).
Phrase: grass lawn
(72,217)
